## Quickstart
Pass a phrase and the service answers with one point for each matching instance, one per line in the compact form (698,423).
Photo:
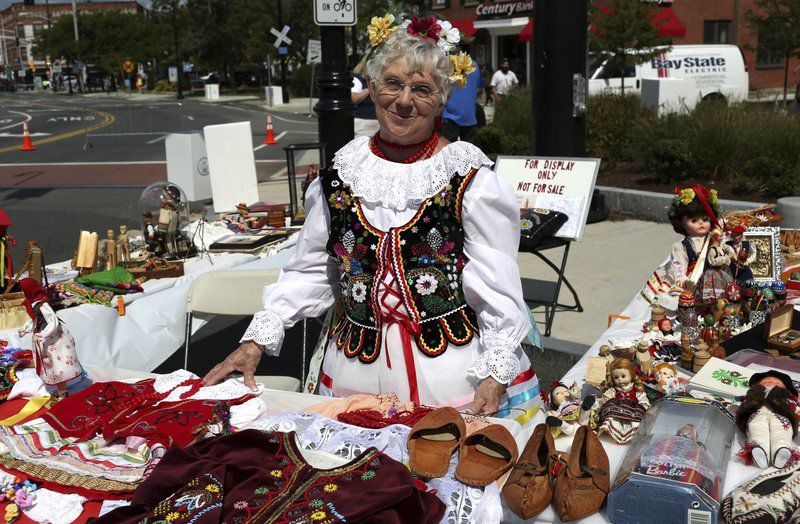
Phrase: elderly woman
(417,238)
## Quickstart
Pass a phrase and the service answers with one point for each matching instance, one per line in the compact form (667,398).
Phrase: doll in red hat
(53,346)
(745,252)
(768,416)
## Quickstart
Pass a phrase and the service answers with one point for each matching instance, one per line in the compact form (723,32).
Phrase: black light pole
(177,49)
(335,108)
(284,88)
(559,77)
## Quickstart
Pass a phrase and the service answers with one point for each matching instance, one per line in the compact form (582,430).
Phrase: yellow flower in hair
(462,66)
(380,28)
(714,197)
(686,196)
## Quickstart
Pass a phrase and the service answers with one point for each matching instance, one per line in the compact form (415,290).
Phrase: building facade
(504,28)
(23,20)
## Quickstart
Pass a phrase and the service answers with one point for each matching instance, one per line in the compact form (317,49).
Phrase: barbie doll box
(676,463)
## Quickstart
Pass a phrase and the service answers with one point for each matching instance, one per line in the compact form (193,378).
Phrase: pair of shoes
(576,483)
(772,498)
(483,455)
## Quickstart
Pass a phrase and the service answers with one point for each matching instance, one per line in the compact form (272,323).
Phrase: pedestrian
(486,75)
(139,84)
(365,121)
(107,85)
(459,119)
(504,81)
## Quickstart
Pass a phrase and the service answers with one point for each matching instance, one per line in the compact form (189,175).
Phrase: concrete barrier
(789,207)
(653,206)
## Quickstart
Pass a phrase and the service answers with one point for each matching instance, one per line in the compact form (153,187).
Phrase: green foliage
(611,128)
(510,130)
(776,26)
(623,33)
(163,85)
(300,83)
(750,144)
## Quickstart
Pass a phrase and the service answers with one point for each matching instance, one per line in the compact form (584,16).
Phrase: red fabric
(630,395)
(525,375)
(703,195)
(668,24)
(34,292)
(465,26)
(90,510)
(407,328)
(117,409)
(527,32)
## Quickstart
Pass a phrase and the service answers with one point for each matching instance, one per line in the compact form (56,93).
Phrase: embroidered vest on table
(426,256)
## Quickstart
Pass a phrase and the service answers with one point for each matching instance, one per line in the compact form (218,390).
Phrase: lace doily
(230,389)
(316,432)
(266,330)
(392,185)
(55,508)
(499,361)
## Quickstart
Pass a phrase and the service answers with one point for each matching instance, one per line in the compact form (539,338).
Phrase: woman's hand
(487,397)
(244,359)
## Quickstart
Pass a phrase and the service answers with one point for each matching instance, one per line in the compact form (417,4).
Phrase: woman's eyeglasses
(391,87)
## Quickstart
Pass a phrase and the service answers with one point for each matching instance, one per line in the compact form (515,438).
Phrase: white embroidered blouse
(391,194)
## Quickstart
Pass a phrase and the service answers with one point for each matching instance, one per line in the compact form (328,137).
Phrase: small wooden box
(778,330)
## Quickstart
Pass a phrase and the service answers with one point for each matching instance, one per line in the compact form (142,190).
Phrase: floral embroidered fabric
(427,257)
(264,478)
(320,433)
(393,185)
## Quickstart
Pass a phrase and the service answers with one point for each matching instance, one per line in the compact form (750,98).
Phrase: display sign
(173,74)
(509,9)
(128,66)
(335,12)
(281,36)
(314,55)
(557,184)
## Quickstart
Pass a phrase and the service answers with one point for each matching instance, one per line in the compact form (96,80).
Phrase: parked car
(719,71)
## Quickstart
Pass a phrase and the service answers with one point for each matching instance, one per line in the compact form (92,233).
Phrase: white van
(719,71)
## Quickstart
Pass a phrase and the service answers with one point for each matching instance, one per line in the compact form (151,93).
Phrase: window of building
(23,55)
(20,31)
(717,32)
(766,57)
(37,28)
(440,4)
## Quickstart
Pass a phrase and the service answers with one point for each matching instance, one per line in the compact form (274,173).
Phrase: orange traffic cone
(27,145)
(270,140)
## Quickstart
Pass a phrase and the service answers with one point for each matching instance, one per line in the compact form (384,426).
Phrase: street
(112,141)
(97,153)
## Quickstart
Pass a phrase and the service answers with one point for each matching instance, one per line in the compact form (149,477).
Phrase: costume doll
(123,245)
(644,358)
(566,412)
(54,352)
(150,233)
(768,416)
(667,381)
(745,254)
(693,212)
(622,405)
(717,275)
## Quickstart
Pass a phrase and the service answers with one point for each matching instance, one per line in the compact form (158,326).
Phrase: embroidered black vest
(426,255)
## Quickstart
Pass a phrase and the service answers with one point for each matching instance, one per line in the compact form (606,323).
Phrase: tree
(776,24)
(622,32)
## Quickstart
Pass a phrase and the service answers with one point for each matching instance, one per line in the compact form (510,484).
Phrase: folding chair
(233,292)
(545,293)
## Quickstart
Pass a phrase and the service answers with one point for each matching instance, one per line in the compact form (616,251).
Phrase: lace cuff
(266,330)
(498,359)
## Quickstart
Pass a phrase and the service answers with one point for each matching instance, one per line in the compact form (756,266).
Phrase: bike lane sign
(335,12)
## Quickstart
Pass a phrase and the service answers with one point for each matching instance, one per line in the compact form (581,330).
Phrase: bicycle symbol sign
(335,12)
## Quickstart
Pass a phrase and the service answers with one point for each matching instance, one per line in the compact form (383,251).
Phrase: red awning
(668,24)
(465,26)
(527,32)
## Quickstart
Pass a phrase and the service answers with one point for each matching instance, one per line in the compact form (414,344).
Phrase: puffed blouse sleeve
(304,288)
(490,279)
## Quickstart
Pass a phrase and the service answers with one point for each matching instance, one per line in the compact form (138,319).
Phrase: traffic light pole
(559,78)
(335,108)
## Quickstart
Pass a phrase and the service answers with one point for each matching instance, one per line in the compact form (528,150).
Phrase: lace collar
(380,182)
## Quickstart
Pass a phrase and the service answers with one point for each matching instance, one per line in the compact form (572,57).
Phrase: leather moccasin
(433,440)
(528,489)
(582,486)
(485,455)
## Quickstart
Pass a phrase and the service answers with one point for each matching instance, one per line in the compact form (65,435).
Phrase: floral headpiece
(707,198)
(432,29)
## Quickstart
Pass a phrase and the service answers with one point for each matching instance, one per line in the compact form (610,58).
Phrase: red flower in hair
(425,28)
